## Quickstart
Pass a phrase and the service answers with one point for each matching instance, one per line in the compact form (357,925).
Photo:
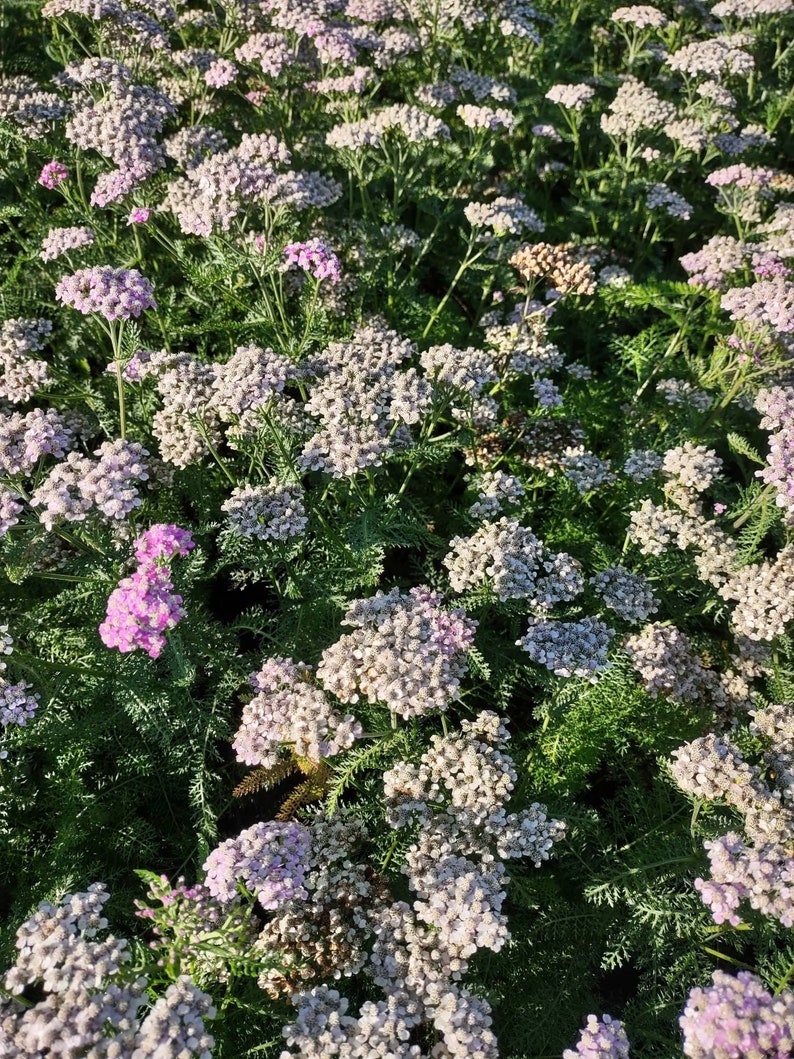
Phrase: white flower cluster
(84,993)
(569,648)
(289,708)
(406,652)
(267,512)
(586,470)
(515,563)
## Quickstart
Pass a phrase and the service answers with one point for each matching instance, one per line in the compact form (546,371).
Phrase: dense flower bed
(396,506)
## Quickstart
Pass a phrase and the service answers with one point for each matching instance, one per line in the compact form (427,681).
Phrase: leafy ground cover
(396,504)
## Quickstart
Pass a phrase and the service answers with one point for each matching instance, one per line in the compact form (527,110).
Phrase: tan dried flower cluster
(559,264)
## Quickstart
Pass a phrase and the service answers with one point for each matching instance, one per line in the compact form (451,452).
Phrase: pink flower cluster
(144,606)
(115,293)
(315,257)
(53,174)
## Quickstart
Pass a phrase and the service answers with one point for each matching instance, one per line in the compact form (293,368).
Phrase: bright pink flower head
(140,215)
(141,609)
(53,174)
(162,542)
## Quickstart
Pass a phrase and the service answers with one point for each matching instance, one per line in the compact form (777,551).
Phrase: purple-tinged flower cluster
(53,174)
(569,648)
(267,512)
(59,241)
(144,606)
(115,293)
(139,215)
(602,1038)
(268,858)
(315,258)
(736,1018)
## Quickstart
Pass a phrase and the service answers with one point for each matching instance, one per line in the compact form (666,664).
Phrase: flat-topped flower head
(115,293)
(53,174)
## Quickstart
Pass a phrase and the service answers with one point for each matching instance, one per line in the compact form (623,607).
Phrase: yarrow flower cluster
(735,1016)
(268,858)
(407,652)
(85,992)
(290,709)
(53,174)
(603,1038)
(269,512)
(143,607)
(314,257)
(115,293)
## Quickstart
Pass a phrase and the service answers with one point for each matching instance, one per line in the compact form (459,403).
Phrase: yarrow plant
(458,338)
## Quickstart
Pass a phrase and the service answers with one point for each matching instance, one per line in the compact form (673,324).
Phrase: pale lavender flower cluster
(107,483)
(365,400)
(503,215)
(86,993)
(667,664)
(569,648)
(28,106)
(643,16)
(767,305)
(496,488)
(25,439)
(777,409)
(268,512)
(715,58)
(419,955)
(762,874)
(735,1016)
(17,704)
(268,858)
(143,607)
(634,108)
(572,97)
(710,267)
(59,241)
(188,422)
(602,1038)
(291,709)
(661,197)
(115,293)
(246,385)
(220,73)
(586,470)
(315,258)
(217,188)
(467,373)
(412,123)
(628,594)
(514,563)
(407,652)
(474,117)
(23,375)
(740,176)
